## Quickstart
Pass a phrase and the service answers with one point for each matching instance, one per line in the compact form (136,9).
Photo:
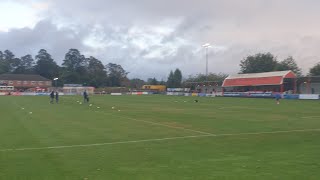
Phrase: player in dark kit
(51,97)
(85,97)
(57,97)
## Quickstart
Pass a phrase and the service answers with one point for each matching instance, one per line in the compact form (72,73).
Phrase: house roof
(23,77)
(258,79)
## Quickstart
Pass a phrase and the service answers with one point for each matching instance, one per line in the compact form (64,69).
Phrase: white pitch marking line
(165,125)
(310,117)
(242,107)
(270,132)
(159,139)
(160,124)
(101,144)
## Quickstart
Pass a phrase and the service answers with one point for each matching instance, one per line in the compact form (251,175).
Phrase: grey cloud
(283,27)
(44,35)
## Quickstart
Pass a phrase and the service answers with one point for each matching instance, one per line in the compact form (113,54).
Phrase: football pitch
(158,138)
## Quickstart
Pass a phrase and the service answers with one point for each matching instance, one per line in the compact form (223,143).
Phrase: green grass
(244,148)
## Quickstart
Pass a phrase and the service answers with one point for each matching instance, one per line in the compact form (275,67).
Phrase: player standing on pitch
(278,97)
(51,97)
(85,97)
(57,97)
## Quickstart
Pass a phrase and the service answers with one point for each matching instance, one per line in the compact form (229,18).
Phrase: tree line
(90,71)
(267,62)
(75,68)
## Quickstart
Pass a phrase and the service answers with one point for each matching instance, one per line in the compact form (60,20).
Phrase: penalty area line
(161,124)
(155,140)
(108,143)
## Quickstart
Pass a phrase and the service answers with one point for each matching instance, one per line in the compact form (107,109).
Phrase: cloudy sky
(151,37)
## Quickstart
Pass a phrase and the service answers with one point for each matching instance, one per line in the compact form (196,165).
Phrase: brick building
(25,81)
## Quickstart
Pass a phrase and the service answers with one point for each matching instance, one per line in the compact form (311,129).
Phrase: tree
(170,81)
(8,62)
(25,65)
(73,60)
(3,64)
(174,79)
(45,65)
(116,74)
(136,83)
(152,81)
(258,63)
(289,64)
(177,77)
(162,82)
(75,67)
(97,72)
(315,70)
(211,77)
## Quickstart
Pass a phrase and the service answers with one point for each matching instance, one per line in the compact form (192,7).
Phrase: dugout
(277,81)
(156,89)
(207,87)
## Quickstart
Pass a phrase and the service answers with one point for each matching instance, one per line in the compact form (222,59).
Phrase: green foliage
(97,72)
(45,65)
(174,79)
(74,60)
(315,70)
(4,68)
(75,68)
(116,74)
(211,77)
(267,63)
(8,62)
(258,63)
(25,65)
(136,83)
(170,81)
(289,64)
(152,81)
(177,76)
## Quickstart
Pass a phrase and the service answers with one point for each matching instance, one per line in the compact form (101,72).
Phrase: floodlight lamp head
(207,45)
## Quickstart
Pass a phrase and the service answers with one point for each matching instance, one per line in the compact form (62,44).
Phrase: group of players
(55,95)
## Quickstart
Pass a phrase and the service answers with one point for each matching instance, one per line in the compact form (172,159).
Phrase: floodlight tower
(55,80)
(206,46)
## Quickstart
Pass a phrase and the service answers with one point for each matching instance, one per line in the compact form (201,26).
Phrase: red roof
(258,79)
